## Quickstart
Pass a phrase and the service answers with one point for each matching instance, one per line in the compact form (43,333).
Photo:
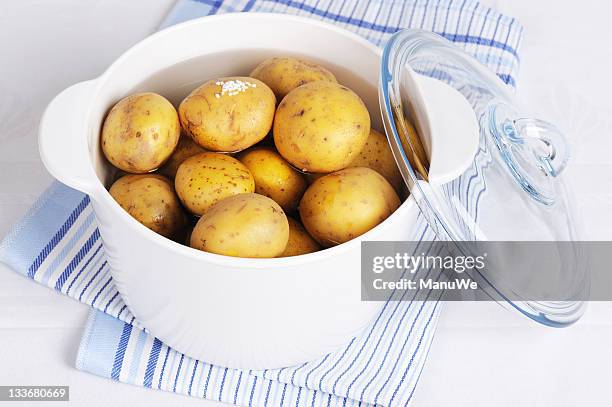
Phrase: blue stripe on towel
(148,377)
(195,367)
(121,347)
(161,375)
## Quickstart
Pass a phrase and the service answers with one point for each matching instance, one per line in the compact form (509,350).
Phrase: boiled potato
(187,237)
(186,148)
(274,177)
(300,242)
(244,225)
(414,148)
(283,74)
(228,114)
(150,199)
(377,155)
(321,127)
(345,204)
(205,178)
(140,132)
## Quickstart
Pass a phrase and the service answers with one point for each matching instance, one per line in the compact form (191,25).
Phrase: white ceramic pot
(235,312)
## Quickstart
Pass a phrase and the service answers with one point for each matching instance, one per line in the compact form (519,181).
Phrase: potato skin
(321,127)
(244,225)
(150,199)
(228,114)
(283,74)
(300,242)
(377,155)
(274,177)
(206,178)
(345,204)
(414,148)
(140,132)
(186,148)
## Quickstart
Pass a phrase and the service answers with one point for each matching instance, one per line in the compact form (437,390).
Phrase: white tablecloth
(482,354)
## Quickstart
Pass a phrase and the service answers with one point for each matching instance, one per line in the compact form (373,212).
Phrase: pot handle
(62,138)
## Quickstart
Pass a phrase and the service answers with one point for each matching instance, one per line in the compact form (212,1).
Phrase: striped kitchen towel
(58,244)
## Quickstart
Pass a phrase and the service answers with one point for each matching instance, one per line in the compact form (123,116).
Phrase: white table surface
(482,354)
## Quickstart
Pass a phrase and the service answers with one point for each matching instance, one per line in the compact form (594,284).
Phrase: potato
(345,204)
(228,114)
(140,132)
(205,178)
(300,242)
(274,177)
(377,155)
(244,225)
(283,74)
(186,148)
(321,127)
(414,149)
(150,199)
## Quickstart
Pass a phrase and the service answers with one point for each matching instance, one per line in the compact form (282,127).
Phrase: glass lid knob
(534,151)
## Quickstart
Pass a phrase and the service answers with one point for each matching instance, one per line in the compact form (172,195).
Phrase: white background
(482,354)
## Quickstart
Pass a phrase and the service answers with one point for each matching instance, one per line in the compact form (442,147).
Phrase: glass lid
(484,174)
